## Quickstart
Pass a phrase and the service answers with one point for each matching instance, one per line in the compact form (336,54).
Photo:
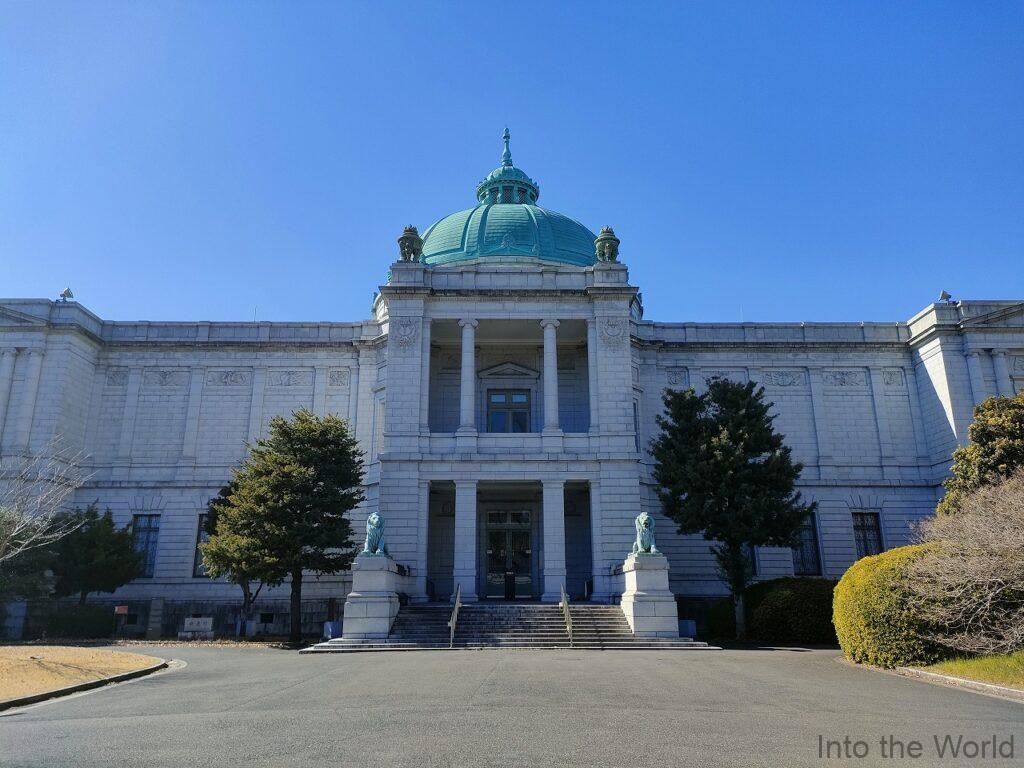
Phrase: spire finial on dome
(506,156)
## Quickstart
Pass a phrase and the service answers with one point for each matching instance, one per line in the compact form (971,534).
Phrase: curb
(89,684)
(1015,694)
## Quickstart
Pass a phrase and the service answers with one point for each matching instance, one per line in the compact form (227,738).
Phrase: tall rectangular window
(198,569)
(867,532)
(508,410)
(806,558)
(145,532)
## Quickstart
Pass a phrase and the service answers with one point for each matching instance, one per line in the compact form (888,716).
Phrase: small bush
(796,610)
(874,614)
(800,612)
(79,621)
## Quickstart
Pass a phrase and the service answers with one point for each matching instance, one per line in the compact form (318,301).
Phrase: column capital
(35,352)
(998,352)
(465,484)
(549,321)
(468,322)
(975,353)
(4,351)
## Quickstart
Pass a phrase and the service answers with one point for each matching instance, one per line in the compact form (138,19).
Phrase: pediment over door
(509,370)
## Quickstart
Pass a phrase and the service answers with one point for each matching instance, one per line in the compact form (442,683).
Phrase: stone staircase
(510,625)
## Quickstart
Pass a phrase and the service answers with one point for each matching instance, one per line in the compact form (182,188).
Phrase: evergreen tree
(995,449)
(284,511)
(724,472)
(96,556)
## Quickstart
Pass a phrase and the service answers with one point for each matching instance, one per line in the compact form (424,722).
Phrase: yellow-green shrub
(874,616)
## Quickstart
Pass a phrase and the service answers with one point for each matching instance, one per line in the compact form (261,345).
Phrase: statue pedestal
(372,604)
(647,602)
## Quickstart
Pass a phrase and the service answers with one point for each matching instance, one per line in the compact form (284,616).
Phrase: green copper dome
(507,223)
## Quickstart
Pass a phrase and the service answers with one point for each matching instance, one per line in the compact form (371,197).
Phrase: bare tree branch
(970,583)
(34,491)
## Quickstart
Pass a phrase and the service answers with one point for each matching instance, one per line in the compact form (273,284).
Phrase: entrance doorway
(509,555)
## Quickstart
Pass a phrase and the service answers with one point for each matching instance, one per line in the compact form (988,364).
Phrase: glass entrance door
(509,556)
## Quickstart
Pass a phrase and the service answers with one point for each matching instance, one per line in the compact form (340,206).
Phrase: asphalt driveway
(259,707)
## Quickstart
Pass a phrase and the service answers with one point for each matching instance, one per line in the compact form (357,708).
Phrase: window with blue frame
(145,533)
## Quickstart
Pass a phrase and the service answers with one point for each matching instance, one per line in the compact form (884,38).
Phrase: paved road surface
(262,707)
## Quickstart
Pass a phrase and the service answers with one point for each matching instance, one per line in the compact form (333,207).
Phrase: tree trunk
(741,617)
(243,623)
(296,633)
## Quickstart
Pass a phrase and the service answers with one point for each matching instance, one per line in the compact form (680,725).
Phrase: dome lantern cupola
(506,183)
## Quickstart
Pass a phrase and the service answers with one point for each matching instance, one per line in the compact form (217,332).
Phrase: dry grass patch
(1002,669)
(29,669)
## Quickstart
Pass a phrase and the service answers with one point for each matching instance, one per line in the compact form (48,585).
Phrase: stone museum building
(504,391)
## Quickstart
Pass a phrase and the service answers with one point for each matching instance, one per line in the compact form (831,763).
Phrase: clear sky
(760,161)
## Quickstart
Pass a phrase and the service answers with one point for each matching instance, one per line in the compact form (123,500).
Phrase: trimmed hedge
(796,610)
(874,616)
(79,621)
(799,611)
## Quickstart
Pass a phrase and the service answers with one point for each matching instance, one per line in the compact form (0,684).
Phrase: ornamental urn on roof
(410,246)
(606,246)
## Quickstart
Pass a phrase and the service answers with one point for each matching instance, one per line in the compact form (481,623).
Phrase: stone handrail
(567,614)
(455,616)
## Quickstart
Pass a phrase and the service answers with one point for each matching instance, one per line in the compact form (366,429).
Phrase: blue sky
(760,161)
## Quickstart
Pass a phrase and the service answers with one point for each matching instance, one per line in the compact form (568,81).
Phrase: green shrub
(79,621)
(801,612)
(874,614)
(794,610)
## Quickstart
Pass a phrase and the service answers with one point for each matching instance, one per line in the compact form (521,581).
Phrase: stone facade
(504,393)
(163,410)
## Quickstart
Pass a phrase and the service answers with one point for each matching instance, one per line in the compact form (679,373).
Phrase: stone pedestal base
(372,604)
(647,602)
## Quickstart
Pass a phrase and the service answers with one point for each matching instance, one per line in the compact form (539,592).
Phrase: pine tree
(96,556)
(724,472)
(994,451)
(284,511)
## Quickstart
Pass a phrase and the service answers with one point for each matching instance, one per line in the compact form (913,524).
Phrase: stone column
(422,539)
(7,357)
(259,380)
(320,374)
(592,373)
(553,519)
(467,388)
(195,397)
(598,566)
(1004,385)
(978,390)
(425,380)
(550,375)
(23,426)
(131,406)
(464,570)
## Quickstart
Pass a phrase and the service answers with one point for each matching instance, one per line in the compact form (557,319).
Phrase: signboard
(201,624)
(120,610)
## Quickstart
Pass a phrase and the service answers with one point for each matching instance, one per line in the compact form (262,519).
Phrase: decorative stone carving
(169,377)
(410,245)
(893,377)
(117,377)
(614,331)
(644,544)
(339,377)
(1018,364)
(375,536)
(284,378)
(227,378)
(678,377)
(636,375)
(404,330)
(846,378)
(783,378)
(606,246)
